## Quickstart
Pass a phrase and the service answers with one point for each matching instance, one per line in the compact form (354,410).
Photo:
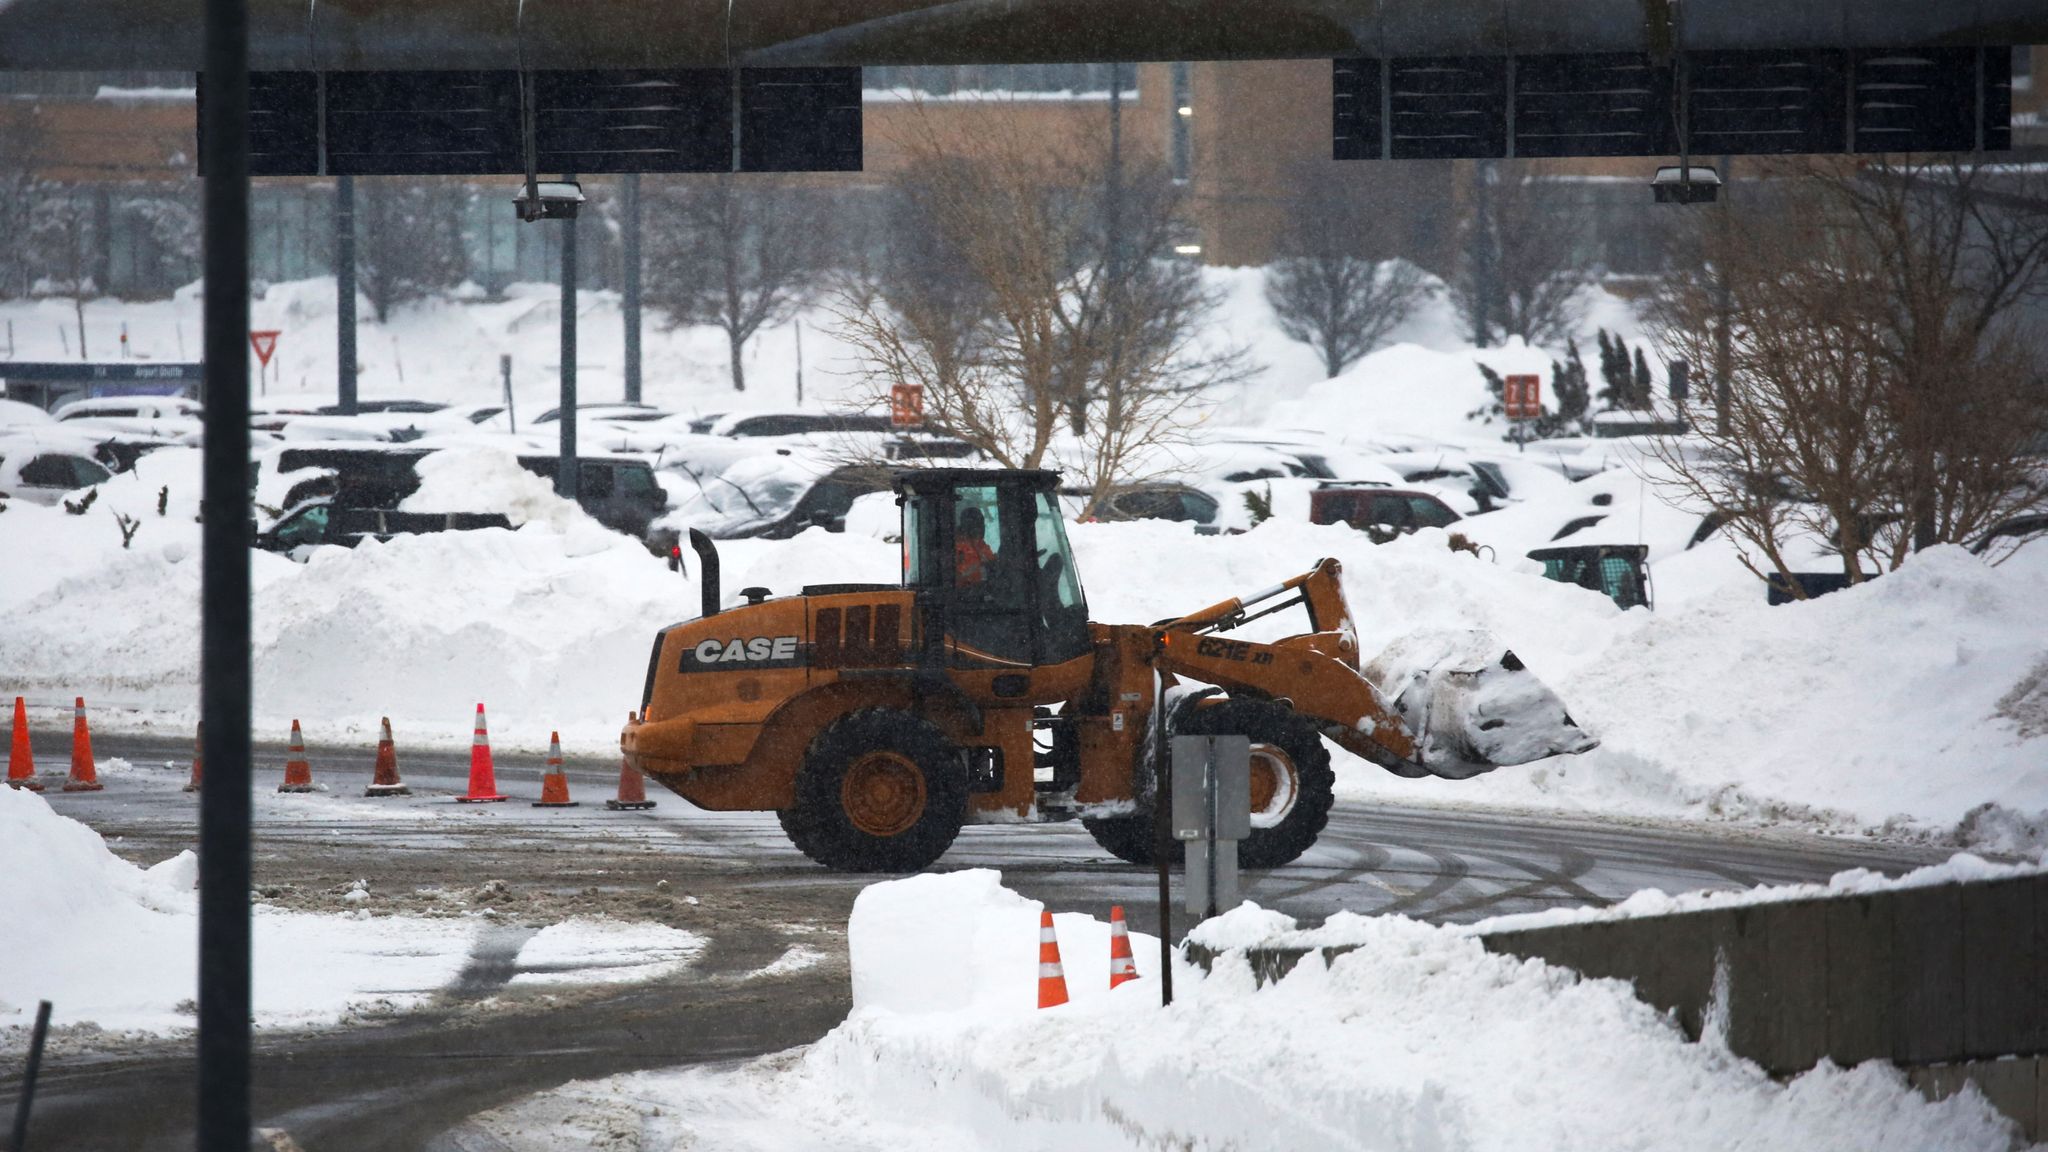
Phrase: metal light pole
(565,474)
(630,204)
(345,293)
(223,1110)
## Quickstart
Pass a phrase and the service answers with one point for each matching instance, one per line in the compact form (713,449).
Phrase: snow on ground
(1418,1040)
(115,947)
(589,951)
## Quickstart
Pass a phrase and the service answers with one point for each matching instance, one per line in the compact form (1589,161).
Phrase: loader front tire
(1292,784)
(879,790)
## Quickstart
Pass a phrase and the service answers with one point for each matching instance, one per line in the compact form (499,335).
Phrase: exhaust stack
(707,568)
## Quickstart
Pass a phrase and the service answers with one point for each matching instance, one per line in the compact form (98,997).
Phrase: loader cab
(986,550)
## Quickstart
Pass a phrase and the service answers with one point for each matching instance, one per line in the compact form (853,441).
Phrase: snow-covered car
(619,492)
(797,422)
(319,521)
(372,429)
(777,496)
(1180,503)
(45,469)
(1382,513)
(15,414)
(130,408)
(619,413)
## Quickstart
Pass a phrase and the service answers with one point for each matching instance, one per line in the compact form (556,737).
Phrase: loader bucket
(1472,705)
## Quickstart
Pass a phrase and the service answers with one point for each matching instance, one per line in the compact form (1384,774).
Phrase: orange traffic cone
(1121,966)
(192,785)
(1052,979)
(483,779)
(298,774)
(632,785)
(84,774)
(554,786)
(21,759)
(632,790)
(384,781)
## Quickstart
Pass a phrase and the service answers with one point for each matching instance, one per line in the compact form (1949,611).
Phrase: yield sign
(265,344)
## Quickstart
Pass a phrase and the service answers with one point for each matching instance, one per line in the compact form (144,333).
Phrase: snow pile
(1408,389)
(1420,1040)
(110,944)
(477,478)
(41,546)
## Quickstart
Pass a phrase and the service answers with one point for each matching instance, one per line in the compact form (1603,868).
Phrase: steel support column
(345,294)
(223,1111)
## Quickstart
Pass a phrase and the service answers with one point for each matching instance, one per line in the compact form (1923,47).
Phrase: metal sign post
(1212,811)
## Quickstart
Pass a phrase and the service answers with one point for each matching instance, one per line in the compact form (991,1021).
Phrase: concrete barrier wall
(1920,976)
(1950,982)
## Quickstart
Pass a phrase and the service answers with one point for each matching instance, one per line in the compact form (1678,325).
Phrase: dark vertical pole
(224,593)
(345,293)
(1724,307)
(1162,824)
(630,197)
(565,477)
(27,1100)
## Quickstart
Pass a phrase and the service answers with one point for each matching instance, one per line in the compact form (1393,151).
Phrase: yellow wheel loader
(877,719)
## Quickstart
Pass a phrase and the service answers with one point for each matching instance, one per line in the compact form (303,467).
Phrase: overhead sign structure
(906,405)
(471,123)
(1722,102)
(265,344)
(1522,397)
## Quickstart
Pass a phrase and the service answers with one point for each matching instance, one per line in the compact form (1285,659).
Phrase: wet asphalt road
(404,1084)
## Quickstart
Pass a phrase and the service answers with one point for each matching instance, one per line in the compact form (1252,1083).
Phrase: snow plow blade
(1472,705)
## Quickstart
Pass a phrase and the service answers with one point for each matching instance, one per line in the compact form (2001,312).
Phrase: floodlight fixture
(548,200)
(1686,184)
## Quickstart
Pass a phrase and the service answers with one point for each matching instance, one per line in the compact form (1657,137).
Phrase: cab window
(1063,612)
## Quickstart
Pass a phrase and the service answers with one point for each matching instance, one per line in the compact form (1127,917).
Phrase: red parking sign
(906,404)
(1522,397)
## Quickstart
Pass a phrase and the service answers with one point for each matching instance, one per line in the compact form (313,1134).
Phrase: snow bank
(475,478)
(1419,1040)
(114,945)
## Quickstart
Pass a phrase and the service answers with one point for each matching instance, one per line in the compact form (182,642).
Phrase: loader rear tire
(1292,784)
(879,791)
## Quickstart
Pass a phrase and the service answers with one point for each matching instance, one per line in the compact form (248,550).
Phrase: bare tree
(1956,251)
(1336,285)
(736,253)
(411,244)
(1055,338)
(1829,427)
(1520,272)
(63,243)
